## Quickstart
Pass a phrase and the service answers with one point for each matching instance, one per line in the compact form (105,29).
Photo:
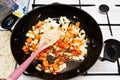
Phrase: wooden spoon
(47,39)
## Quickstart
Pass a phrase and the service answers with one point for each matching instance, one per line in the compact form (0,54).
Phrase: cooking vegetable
(70,46)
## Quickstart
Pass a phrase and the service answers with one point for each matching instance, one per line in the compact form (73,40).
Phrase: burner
(103,8)
(112,50)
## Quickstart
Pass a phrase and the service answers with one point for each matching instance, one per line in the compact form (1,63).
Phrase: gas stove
(106,13)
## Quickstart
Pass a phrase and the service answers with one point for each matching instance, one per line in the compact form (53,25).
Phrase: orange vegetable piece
(25,49)
(44,54)
(45,63)
(34,49)
(57,60)
(72,35)
(37,37)
(42,58)
(39,24)
(46,67)
(77,41)
(69,31)
(62,45)
(55,67)
(56,53)
(70,28)
(29,40)
(76,51)
(77,24)
(34,46)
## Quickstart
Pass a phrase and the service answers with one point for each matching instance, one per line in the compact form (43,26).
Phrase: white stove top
(114,17)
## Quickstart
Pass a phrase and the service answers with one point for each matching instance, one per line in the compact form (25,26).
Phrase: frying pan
(93,33)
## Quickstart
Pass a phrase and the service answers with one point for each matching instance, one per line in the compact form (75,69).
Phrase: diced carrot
(42,58)
(72,35)
(56,53)
(57,60)
(66,36)
(70,28)
(69,44)
(29,40)
(37,36)
(62,59)
(44,54)
(65,40)
(25,49)
(34,46)
(77,24)
(45,63)
(39,24)
(55,67)
(46,67)
(80,43)
(62,45)
(75,40)
(70,32)
(76,51)
(75,48)
(34,49)
(47,50)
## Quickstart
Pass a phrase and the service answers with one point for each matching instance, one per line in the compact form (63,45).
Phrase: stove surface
(109,23)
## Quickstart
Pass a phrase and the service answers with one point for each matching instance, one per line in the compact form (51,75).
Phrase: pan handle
(10,21)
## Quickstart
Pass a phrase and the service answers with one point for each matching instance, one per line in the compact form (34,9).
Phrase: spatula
(47,39)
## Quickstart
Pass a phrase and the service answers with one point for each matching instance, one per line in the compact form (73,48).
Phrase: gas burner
(112,50)
(103,8)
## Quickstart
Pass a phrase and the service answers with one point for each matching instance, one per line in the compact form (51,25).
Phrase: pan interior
(90,26)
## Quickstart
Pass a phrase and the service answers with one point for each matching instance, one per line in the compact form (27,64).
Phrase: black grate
(109,24)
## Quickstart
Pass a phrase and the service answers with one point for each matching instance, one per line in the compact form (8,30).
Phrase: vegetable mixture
(72,44)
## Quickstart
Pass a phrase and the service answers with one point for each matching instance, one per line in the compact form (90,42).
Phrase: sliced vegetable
(45,63)
(29,40)
(55,67)
(77,24)
(25,49)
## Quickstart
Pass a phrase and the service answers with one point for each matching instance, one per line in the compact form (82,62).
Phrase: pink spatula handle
(15,75)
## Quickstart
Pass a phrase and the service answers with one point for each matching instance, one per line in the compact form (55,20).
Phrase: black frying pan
(90,26)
